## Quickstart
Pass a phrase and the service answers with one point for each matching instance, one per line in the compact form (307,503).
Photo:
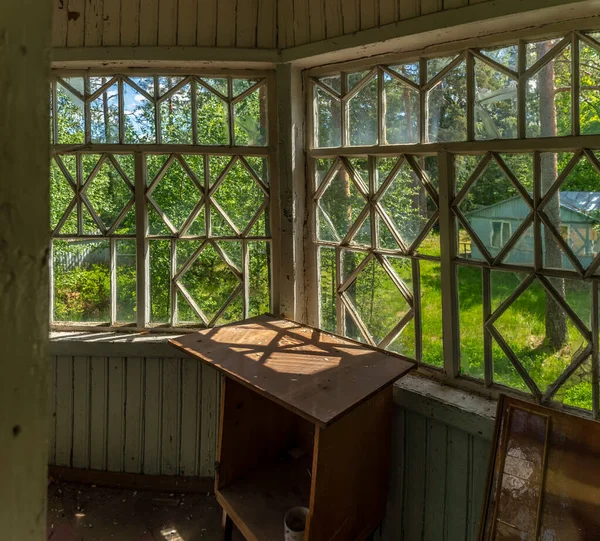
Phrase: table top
(316,375)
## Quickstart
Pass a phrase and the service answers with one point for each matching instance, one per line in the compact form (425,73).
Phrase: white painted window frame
(449,213)
(141,191)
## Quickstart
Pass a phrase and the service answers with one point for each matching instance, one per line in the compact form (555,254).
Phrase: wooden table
(305,420)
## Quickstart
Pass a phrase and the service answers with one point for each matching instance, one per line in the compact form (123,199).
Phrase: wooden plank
(285,23)
(392,524)
(263,442)
(191,398)
(206,27)
(111,31)
(134,420)
(130,22)
(170,416)
(134,481)
(94,23)
(350,472)
(25,29)
(149,23)
(266,29)
(457,483)
(226,21)
(320,378)
(64,410)
(480,457)
(414,473)
(187,21)
(99,412)
(167,22)
(152,414)
(59,23)
(435,486)
(317,20)
(410,9)
(431,6)
(210,420)
(81,412)
(351,15)
(116,414)
(369,14)
(51,409)
(75,23)
(388,11)
(333,16)
(301,23)
(451,4)
(247,19)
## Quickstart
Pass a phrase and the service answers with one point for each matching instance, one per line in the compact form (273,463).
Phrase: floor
(87,513)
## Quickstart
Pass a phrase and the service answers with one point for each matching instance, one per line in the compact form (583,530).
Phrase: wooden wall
(227,23)
(205,23)
(438,481)
(133,414)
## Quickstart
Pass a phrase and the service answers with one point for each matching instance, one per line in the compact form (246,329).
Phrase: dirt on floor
(89,513)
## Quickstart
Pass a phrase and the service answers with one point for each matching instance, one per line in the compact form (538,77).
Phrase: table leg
(226,527)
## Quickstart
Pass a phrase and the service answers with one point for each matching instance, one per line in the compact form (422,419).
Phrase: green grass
(522,325)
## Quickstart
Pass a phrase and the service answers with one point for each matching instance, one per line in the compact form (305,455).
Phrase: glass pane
(259,266)
(81,281)
(377,300)
(408,204)
(540,334)
(250,116)
(589,97)
(218,84)
(327,289)
(104,115)
(139,113)
(447,107)
(126,281)
(239,196)
(339,207)
(470,300)
(241,85)
(176,194)
(494,209)
(362,115)
(431,313)
(332,81)
(535,50)
(108,193)
(549,98)
(61,194)
(402,112)
(410,71)
(328,131)
(355,78)
(507,56)
(495,103)
(577,390)
(176,116)
(160,281)
(213,123)
(435,65)
(70,112)
(209,281)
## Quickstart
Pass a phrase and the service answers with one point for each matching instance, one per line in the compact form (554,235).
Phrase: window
(499,234)
(160,199)
(456,193)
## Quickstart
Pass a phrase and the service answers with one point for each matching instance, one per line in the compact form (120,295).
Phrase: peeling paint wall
(24,209)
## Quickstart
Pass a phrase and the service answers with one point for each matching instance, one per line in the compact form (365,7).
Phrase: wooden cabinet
(305,421)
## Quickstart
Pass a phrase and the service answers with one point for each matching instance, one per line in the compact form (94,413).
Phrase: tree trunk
(556,322)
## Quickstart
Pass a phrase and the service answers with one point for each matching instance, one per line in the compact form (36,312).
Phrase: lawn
(522,325)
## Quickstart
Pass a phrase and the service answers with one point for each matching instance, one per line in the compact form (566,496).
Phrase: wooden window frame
(450,215)
(141,192)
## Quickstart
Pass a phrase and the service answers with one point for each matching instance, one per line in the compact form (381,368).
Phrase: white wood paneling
(81,412)
(64,410)
(116,414)
(130,22)
(75,22)
(171,397)
(134,420)
(210,421)
(191,400)
(99,412)
(152,416)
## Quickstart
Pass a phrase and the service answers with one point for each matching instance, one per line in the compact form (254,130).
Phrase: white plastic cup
(295,523)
